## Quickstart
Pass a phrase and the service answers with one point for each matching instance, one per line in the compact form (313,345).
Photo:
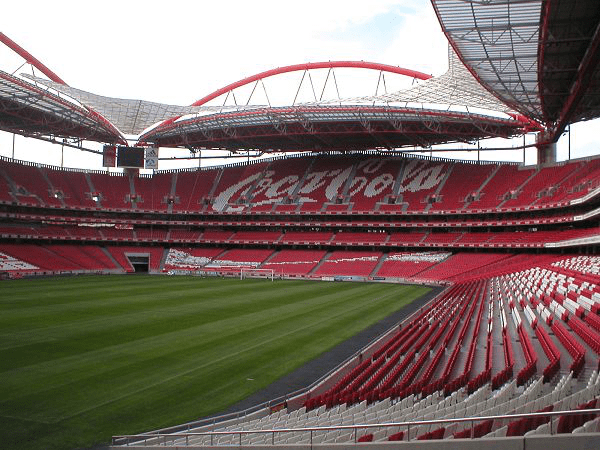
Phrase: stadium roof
(540,57)
(443,109)
(34,111)
(525,65)
(130,116)
(328,127)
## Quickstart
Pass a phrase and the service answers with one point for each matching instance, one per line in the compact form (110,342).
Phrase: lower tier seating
(515,343)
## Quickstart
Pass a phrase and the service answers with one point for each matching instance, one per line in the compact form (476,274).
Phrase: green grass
(82,359)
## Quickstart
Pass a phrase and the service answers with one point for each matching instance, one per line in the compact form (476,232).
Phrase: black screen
(130,157)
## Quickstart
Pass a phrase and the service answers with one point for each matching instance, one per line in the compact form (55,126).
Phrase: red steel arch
(310,66)
(30,58)
(305,66)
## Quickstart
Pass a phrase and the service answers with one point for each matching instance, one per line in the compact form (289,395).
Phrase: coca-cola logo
(371,179)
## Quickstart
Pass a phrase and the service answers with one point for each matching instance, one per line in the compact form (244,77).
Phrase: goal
(247,272)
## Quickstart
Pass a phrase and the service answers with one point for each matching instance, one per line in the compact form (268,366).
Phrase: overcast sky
(176,52)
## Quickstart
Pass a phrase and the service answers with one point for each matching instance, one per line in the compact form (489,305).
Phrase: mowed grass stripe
(165,359)
(91,334)
(124,310)
(202,338)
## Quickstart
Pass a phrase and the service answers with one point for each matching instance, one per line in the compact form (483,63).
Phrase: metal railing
(166,439)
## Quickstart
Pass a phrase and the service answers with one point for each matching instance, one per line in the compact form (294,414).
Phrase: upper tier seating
(505,182)
(113,190)
(350,184)
(324,182)
(73,187)
(152,194)
(29,185)
(278,185)
(192,189)
(373,181)
(464,181)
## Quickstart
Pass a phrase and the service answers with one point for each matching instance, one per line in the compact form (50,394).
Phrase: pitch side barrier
(567,441)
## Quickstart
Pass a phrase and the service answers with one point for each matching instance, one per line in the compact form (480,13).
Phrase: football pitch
(85,358)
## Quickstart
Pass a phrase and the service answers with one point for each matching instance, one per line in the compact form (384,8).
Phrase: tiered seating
(406,238)
(12,264)
(237,196)
(443,239)
(493,193)
(584,181)
(84,232)
(504,264)
(464,180)
(458,264)
(5,190)
(324,182)
(294,262)
(41,257)
(359,238)
(98,254)
(84,257)
(73,186)
(407,265)
(151,234)
(192,189)
(211,235)
(113,190)
(373,181)
(190,258)
(179,235)
(152,193)
(243,257)
(420,179)
(117,234)
(306,237)
(546,180)
(330,183)
(31,187)
(349,264)
(277,186)
(255,237)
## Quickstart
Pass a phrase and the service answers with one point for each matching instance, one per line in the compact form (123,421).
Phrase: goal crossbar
(247,272)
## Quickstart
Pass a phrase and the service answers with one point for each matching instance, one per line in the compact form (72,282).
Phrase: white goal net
(247,272)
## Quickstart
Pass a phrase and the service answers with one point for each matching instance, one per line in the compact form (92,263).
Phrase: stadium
(398,298)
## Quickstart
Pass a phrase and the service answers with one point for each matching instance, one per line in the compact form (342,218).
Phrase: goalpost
(248,272)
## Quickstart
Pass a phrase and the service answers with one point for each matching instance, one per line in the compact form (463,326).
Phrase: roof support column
(546,150)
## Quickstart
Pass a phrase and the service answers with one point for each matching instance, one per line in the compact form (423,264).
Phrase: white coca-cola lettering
(370,165)
(418,175)
(315,180)
(357,185)
(333,190)
(379,184)
(224,197)
(283,187)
